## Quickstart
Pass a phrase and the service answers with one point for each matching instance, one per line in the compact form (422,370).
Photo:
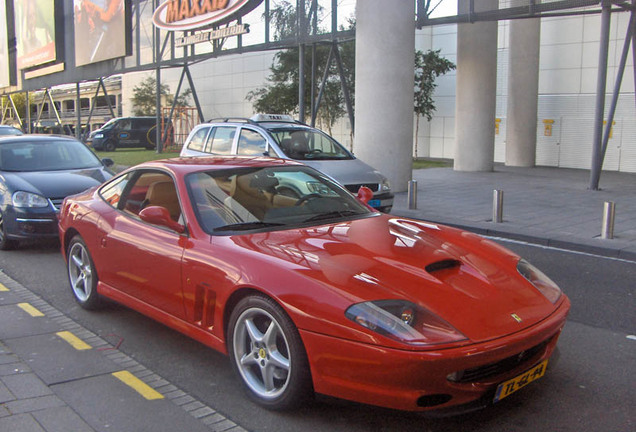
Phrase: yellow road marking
(138,385)
(30,310)
(74,341)
(3,288)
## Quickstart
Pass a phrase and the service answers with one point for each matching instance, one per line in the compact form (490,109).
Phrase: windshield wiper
(332,215)
(247,226)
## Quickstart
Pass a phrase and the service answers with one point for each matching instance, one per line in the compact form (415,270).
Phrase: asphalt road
(590,387)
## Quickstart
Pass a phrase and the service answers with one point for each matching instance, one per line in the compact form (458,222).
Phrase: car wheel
(81,274)
(268,355)
(109,146)
(5,243)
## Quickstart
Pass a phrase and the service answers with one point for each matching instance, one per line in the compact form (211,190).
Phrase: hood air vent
(442,265)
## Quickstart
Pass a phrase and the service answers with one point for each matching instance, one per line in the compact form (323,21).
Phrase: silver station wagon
(281,136)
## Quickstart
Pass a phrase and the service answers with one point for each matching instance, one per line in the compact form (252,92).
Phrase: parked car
(280,136)
(318,293)
(36,173)
(9,130)
(125,132)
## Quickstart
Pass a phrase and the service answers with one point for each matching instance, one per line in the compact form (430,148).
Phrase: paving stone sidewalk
(56,376)
(550,206)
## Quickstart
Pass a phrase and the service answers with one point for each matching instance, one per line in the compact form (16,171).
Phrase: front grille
(501,367)
(57,203)
(353,188)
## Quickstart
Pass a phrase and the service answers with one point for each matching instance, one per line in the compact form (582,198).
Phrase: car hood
(347,171)
(469,281)
(56,184)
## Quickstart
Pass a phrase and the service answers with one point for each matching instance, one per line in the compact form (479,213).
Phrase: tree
(280,94)
(428,66)
(19,99)
(145,97)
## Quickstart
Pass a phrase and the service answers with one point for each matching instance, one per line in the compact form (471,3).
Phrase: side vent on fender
(443,265)
(204,303)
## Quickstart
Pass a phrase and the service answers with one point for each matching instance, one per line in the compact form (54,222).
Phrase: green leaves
(428,66)
(145,97)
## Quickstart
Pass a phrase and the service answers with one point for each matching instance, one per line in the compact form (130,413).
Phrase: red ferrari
(307,289)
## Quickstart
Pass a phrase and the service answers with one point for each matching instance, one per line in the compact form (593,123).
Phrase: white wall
(567,87)
(567,94)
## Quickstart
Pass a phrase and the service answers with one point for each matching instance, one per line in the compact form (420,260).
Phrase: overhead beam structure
(307,33)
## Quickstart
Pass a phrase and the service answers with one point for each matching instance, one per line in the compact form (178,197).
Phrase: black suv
(125,132)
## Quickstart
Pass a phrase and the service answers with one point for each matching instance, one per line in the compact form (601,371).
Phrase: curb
(214,420)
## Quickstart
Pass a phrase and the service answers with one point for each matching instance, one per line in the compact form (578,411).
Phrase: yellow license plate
(509,387)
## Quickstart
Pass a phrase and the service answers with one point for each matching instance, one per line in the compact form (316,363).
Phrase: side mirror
(364,194)
(157,215)
(108,162)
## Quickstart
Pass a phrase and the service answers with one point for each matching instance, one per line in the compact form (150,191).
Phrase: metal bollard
(412,194)
(609,214)
(497,206)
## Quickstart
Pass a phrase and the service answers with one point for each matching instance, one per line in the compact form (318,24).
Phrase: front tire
(5,243)
(82,275)
(109,146)
(268,355)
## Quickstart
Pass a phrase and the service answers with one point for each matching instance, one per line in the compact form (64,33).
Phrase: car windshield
(308,144)
(49,155)
(242,199)
(10,131)
(109,124)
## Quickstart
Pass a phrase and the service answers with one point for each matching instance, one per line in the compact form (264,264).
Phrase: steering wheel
(306,198)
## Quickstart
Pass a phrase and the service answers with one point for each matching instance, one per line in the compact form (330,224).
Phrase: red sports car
(308,289)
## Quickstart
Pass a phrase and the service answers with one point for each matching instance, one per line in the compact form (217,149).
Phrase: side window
(152,188)
(220,140)
(112,192)
(198,139)
(125,125)
(146,123)
(251,143)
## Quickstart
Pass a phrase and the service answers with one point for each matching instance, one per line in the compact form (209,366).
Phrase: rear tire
(268,355)
(81,274)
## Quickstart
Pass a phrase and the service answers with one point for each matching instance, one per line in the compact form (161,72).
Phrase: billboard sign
(101,30)
(5,79)
(35,32)
(183,15)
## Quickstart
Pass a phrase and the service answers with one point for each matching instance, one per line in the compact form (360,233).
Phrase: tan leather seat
(164,194)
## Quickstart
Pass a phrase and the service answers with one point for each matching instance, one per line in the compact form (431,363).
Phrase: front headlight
(99,135)
(403,321)
(385,186)
(540,281)
(319,188)
(28,199)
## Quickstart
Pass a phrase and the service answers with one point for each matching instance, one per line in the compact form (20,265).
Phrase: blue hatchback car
(36,173)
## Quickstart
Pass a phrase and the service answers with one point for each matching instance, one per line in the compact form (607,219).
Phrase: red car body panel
(190,282)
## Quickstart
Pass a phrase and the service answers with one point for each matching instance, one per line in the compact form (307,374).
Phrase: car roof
(185,165)
(266,121)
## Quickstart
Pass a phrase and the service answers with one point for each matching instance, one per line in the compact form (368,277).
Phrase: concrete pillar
(385,57)
(523,91)
(475,100)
